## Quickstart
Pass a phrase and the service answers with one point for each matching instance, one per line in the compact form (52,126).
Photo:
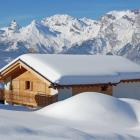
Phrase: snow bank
(90,107)
(135,105)
(87,116)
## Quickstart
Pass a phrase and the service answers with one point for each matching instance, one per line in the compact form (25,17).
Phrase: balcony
(29,98)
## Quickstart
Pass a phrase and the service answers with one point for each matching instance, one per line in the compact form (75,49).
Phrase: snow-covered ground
(87,116)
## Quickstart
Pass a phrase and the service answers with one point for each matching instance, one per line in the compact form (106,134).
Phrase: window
(104,88)
(28,85)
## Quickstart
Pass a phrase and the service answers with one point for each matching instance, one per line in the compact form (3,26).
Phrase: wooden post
(1,96)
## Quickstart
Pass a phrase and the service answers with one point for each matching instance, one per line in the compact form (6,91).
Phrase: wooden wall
(38,86)
(37,95)
(92,88)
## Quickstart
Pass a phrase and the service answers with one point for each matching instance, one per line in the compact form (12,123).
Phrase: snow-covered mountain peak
(114,16)
(117,32)
(72,29)
(34,23)
(120,14)
(14,26)
(58,20)
(136,11)
(32,26)
(37,28)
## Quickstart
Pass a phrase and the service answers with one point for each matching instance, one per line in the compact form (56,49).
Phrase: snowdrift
(87,116)
(91,107)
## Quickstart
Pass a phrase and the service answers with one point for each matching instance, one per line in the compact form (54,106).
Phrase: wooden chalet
(38,80)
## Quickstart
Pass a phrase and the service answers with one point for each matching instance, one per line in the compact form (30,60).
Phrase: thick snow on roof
(81,69)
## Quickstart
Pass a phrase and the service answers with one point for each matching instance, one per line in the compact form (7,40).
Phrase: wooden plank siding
(37,96)
(107,89)
(38,86)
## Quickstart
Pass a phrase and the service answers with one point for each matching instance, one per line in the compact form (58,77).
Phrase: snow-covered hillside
(87,116)
(117,32)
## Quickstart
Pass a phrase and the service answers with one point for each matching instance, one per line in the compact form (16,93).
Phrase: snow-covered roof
(81,69)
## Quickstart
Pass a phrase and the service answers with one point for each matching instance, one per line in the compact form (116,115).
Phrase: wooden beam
(130,80)
(9,71)
(10,68)
(85,85)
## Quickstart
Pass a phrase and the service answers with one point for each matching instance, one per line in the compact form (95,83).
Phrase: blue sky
(26,10)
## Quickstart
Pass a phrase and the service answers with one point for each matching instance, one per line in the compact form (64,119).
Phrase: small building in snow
(41,79)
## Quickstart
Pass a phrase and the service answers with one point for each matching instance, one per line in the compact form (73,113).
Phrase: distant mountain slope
(117,32)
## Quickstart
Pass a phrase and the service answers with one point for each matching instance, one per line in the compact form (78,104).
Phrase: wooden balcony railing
(29,98)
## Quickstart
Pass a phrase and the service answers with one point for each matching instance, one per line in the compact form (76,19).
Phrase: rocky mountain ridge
(115,33)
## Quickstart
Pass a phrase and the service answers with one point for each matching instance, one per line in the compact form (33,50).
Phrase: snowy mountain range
(117,33)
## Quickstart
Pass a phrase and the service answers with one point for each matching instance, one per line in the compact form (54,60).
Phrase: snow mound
(91,107)
(87,116)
